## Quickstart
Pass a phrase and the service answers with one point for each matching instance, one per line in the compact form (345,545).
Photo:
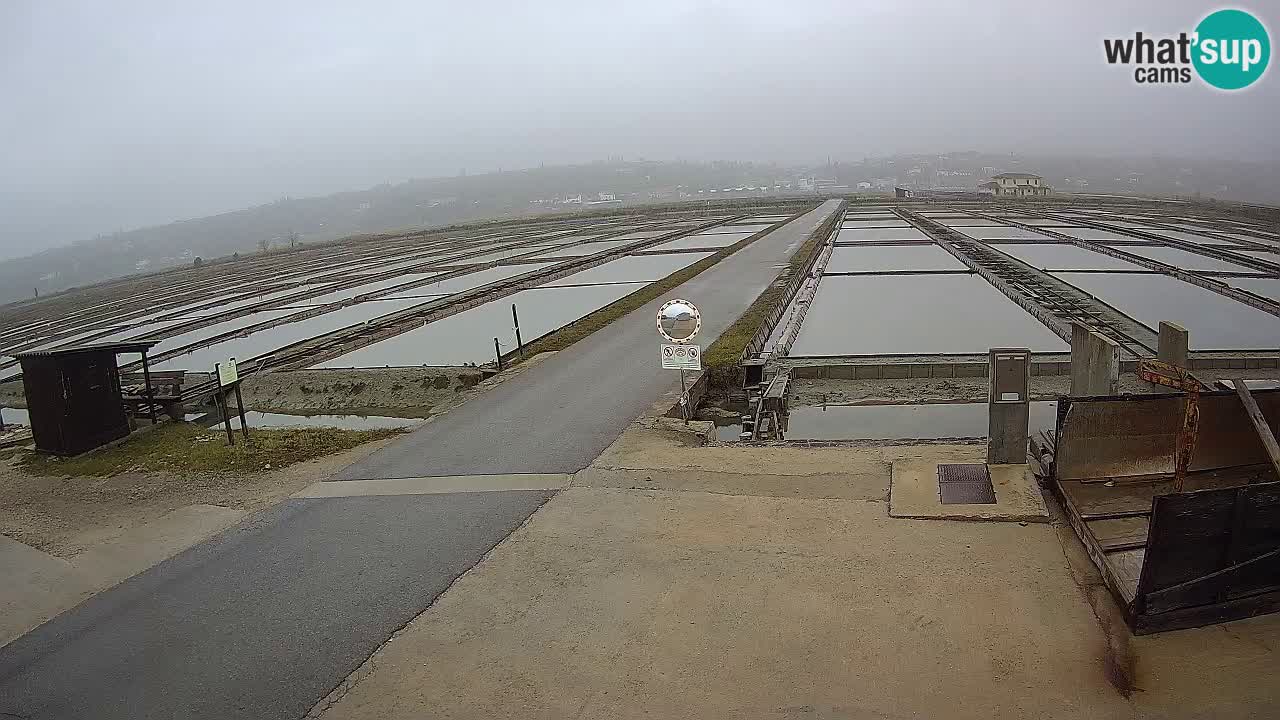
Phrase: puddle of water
(226,307)
(1266,287)
(892,422)
(638,268)
(365,289)
(592,248)
(870,258)
(15,416)
(1088,233)
(639,234)
(903,422)
(177,341)
(1184,259)
(1271,255)
(466,282)
(1041,222)
(702,241)
(1255,238)
(1215,322)
(265,341)
(737,229)
(1001,232)
(916,314)
(865,234)
(282,420)
(85,335)
(728,429)
(1185,235)
(1064,257)
(957,222)
(468,336)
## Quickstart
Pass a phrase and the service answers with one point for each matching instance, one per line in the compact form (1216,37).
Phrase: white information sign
(682,357)
(227,372)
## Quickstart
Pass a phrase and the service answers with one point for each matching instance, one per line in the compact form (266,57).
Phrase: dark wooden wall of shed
(74,401)
(1211,555)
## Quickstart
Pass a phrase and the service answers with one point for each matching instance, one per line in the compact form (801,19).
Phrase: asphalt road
(263,620)
(557,417)
(267,618)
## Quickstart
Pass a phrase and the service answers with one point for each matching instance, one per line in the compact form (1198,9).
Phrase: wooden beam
(1259,423)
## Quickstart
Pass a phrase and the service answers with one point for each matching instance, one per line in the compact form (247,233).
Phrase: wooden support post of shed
(244,424)
(1259,423)
(146,380)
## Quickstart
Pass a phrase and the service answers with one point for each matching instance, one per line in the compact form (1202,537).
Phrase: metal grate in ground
(965,484)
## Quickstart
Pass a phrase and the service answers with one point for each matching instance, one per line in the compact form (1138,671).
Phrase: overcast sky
(115,115)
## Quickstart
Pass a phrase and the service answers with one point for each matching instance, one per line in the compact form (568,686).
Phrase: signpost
(228,382)
(681,357)
(679,322)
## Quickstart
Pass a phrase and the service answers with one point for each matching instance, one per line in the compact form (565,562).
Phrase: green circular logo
(1232,49)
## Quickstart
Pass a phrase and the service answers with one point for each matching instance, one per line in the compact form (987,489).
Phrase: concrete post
(1095,362)
(1009,406)
(1173,344)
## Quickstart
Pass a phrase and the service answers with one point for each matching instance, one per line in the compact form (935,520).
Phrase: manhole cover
(965,484)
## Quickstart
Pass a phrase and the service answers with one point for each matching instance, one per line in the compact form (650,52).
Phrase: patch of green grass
(722,358)
(572,333)
(182,447)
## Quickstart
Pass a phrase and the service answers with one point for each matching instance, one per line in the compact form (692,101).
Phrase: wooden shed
(74,399)
(1176,553)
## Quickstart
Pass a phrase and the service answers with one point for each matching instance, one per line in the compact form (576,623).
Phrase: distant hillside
(442,201)
(413,204)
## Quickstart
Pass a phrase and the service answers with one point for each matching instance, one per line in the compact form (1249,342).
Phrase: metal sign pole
(684,399)
(497,353)
(516,319)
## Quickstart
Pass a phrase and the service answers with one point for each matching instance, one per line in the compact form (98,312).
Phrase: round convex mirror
(679,320)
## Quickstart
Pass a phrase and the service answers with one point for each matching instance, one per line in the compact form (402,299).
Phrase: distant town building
(1016,185)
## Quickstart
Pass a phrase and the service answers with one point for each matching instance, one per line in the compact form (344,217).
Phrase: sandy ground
(673,580)
(65,516)
(64,539)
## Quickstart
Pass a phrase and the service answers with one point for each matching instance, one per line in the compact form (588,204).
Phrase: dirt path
(65,516)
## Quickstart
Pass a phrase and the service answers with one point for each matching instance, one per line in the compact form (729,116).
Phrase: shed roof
(117,347)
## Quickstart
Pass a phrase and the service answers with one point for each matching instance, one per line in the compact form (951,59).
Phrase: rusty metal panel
(1115,437)
(965,484)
